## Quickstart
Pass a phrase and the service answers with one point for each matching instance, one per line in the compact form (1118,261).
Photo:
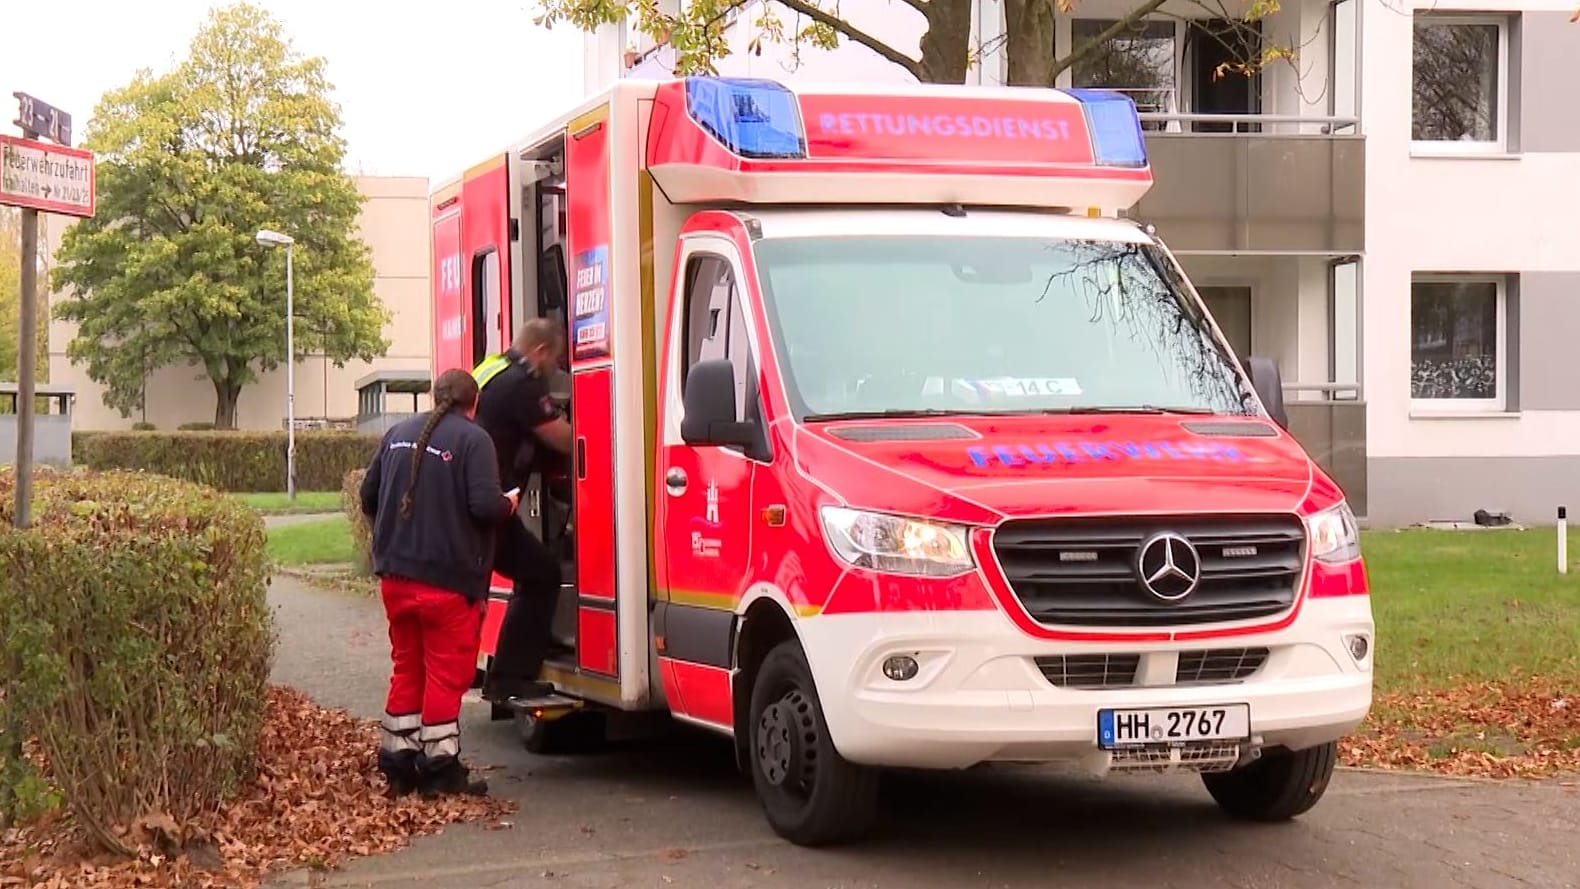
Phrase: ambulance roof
(756,141)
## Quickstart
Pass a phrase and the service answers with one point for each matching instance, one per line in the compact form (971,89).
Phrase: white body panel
(979,696)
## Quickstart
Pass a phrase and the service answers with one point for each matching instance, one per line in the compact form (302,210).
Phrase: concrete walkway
(678,815)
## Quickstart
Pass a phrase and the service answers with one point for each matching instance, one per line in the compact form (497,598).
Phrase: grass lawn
(1466,606)
(313,542)
(275,502)
(1478,653)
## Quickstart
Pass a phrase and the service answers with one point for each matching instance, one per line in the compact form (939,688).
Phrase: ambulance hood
(980,468)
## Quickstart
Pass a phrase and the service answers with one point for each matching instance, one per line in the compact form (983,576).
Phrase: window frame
(1499,403)
(1455,147)
(749,396)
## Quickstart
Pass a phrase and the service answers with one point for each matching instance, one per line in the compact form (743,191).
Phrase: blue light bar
(1115,126)
(753,118)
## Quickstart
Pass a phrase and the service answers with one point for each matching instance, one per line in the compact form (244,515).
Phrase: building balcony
(1256,183)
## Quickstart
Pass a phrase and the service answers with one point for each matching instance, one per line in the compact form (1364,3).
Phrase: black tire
(811,795)
(568,735)
(1277,787)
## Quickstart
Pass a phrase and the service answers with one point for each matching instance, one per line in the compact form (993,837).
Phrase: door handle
(675,480)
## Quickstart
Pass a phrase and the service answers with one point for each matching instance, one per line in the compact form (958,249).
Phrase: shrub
(232,461)
(361,533)
(137,643)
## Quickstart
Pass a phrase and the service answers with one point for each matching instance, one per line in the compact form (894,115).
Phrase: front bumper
(980,696)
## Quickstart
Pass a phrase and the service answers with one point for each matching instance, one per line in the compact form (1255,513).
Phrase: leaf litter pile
(1526,727)
(317,798)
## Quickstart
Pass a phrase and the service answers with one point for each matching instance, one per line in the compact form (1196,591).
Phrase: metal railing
(1247,124)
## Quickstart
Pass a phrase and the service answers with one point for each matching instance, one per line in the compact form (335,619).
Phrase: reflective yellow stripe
(490,368)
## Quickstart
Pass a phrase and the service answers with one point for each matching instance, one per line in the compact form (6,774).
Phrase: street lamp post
(271,239)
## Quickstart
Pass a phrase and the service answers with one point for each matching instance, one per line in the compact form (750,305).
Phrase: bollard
(1563,540)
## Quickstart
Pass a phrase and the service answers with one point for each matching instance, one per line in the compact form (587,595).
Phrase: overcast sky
(480,65)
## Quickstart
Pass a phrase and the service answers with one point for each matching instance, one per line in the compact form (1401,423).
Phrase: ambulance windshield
(907,324)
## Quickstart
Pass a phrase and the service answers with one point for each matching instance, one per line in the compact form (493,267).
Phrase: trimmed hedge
(137,643)
(238,462)
(361,533)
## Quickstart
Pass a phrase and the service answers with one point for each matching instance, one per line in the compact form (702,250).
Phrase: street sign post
(35,175)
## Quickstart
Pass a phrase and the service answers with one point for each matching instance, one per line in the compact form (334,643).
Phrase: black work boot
(401,772)
(448,777)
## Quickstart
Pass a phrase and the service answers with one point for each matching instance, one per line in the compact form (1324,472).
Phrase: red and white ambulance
(897,445)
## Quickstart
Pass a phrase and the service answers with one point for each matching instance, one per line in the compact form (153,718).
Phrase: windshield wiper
(1130,409)
(892,413)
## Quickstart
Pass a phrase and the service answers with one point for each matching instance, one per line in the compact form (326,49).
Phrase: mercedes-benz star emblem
(1168,566)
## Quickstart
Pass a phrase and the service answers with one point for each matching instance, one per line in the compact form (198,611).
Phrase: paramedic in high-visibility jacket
(517,410)
(433,498)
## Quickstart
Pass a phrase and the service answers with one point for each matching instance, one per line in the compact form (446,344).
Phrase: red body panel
(588,238)
(485,229)
(450,309)
(698,691)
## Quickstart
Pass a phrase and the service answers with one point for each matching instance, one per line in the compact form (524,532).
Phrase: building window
(1459,343)
(1460,87)
(1141,63)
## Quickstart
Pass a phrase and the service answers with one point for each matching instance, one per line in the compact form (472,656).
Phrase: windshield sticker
(1045,454)
(1014,387)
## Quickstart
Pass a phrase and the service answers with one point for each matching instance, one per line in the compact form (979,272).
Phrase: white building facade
(1390,214)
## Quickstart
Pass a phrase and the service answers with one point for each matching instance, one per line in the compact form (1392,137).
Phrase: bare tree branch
(862,37)
(1086,49)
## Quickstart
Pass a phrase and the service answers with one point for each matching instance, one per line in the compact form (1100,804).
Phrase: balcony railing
(1247,124)
(1267,183)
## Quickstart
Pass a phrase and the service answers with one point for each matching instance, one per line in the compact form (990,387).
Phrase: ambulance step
(549,705)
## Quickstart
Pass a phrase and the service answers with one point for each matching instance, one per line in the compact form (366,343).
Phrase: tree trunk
(1028,42)
(946,47)
(226,396)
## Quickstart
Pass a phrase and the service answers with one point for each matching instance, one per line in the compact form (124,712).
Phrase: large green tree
(696,31)
(10,301)
(241,135)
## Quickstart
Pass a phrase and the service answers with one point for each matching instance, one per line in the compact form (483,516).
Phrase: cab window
(716,325)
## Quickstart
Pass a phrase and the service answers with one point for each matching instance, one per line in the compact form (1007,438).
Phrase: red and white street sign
(46,177)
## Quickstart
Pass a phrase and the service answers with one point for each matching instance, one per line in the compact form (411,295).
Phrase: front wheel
(811,795)
(1277,787)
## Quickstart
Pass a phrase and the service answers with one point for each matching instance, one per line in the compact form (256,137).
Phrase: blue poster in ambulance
(590,304)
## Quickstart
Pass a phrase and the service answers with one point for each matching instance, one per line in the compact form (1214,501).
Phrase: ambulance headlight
(1335,535)
(896,545)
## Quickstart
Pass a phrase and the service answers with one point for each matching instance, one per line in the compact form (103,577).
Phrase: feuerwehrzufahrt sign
(46,177)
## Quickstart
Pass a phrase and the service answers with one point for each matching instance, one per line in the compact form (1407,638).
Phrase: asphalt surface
(674,813)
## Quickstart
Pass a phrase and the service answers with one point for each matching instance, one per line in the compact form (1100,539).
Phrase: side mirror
(1269,385)
(710,407)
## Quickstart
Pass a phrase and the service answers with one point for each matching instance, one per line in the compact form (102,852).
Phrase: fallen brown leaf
(1522,728)
(317,798)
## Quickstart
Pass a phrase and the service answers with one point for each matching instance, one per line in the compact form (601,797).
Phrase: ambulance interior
(539,290)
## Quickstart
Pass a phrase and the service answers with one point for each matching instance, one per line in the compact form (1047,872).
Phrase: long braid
(454,389)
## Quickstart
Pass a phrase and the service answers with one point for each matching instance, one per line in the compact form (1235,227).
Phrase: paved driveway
(677,814)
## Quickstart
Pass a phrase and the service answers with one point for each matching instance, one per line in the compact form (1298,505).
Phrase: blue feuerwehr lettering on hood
(1047,453)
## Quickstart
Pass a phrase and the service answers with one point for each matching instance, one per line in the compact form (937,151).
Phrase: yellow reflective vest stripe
(491,367)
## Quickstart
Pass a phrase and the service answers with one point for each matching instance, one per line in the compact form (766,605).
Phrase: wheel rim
(787,742)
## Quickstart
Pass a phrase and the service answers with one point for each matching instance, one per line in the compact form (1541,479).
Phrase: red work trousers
(434,637)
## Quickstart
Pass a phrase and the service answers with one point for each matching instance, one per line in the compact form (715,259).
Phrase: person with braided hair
(432,496)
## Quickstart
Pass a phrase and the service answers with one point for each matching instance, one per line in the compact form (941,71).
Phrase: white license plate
(1173,725)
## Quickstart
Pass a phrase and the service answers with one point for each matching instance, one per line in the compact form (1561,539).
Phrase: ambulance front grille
(1082,571)
(1090,671)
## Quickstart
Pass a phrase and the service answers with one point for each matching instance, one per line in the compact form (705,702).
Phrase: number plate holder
(1172,726)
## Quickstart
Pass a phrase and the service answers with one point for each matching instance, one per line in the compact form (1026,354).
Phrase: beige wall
(394,224)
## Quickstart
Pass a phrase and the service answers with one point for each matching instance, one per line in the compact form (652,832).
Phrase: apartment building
(394,224)
(1390,214)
